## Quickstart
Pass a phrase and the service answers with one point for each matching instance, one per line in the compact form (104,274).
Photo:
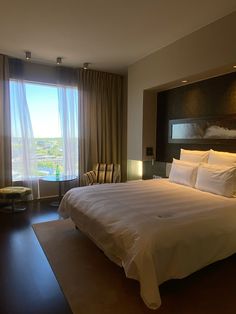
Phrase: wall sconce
(27,55)
(135,169)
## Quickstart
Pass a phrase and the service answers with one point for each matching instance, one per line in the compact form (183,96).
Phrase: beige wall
(209,51)
(149,123)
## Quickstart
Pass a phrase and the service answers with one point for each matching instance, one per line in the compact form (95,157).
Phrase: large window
(41,117)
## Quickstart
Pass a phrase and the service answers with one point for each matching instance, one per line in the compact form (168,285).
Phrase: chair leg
(16,209)
(13,205)
(11,208)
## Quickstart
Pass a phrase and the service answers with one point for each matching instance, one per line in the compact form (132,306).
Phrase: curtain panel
(68,112)
(5,125)
(23,144)
(100,118)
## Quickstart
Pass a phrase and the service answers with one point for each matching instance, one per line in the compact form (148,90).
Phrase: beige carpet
(93,284)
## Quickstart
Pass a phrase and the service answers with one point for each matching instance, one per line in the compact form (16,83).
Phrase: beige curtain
(5,126)
(100,118)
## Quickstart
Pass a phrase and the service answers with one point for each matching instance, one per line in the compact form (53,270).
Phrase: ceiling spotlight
(184,81)
(59,60)
(86,65)
(27,55)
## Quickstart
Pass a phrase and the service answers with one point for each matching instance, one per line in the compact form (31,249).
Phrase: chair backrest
(107,173)
(102,173)
(89,178)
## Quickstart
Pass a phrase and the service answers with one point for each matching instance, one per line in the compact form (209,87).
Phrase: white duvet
(155,229)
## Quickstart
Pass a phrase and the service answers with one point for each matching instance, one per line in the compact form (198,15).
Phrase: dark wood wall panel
(211,97)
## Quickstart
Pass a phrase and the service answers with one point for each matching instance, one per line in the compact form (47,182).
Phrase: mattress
(156,230)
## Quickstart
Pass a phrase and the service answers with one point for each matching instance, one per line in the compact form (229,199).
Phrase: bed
(155,229)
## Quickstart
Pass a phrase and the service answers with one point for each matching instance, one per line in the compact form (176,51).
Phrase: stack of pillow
(209,171)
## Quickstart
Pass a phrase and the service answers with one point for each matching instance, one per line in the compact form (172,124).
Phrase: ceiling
(110,34)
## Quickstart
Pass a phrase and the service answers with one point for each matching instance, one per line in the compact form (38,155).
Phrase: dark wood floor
(27,283)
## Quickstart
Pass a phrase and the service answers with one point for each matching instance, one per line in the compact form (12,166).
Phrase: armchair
(102,173)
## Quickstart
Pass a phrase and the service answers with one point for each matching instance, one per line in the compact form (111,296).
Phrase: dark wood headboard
(215,97)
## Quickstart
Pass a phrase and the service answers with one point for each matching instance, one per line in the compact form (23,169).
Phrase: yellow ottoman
(14,193)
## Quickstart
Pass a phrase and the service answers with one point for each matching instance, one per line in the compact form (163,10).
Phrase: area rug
(93,284)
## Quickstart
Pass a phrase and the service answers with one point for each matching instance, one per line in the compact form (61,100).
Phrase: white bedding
(155,229)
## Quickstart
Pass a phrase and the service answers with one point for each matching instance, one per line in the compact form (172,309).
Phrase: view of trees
(48,154)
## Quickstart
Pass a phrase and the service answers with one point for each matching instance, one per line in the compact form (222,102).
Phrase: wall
(208,51)
(149,123)
(212,97)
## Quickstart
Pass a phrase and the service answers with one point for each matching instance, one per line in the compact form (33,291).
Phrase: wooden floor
(27,283)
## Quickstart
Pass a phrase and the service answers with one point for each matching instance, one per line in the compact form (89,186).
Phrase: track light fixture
(59,60)
(27,55)
(86,65)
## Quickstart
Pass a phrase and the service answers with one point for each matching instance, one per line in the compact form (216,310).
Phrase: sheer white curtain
(23,146)
(68,111)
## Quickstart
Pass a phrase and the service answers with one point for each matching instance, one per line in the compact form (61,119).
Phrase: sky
(42,102)
(43,106)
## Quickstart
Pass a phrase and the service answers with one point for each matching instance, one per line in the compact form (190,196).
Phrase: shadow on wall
(161,169)
(146,169)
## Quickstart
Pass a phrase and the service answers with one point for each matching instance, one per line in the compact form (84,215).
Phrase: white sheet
(155,229)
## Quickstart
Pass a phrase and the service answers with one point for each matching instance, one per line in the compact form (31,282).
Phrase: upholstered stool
(14,193)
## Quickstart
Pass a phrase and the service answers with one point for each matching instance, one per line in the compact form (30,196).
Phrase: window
(44,122)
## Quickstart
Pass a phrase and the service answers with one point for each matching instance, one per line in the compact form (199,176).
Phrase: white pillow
(194,155)
(216,179)
(183,172)
(222,158)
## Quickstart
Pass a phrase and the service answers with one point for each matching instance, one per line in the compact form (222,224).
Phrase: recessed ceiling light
(184,81)
(59,60)
(86,65)
(27,55)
